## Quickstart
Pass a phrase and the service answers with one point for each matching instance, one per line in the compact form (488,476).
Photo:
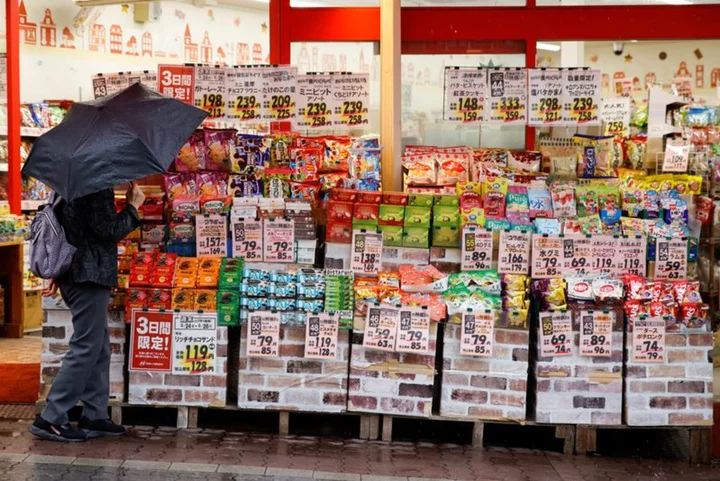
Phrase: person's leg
(97,391)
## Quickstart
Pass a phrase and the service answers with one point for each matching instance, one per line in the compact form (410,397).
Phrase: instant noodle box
(391,214)
(445,236)
(417,216)
(416,237)
(392,235)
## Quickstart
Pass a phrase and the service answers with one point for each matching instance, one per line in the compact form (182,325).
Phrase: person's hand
(135,196)
(50,290)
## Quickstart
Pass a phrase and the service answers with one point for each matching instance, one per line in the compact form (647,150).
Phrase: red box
(159,299)
(395,198)
(344,195)
(366,211)
(339,211)
(369,197)
(340,232)
(164,270)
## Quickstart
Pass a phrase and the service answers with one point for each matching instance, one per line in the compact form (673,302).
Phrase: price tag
(547,256)
(210,91)
(211,235)
(546,96)
(314,104)
(576,255)
(465,93)
(279,101)
(603,254)
(477,249)
(244,94)
(596,333)
(413,330)
(247,236)
(677,156)
(508,96)
(581,97)
(670,259)
(616,116)
(321,336)
(381,326)
(648,339)
(631,256)
(177,82)
(352,94)
(477,334)
(366,253)
(514,252)
(263,334)
(279,236)
(194,342)
(151,338)
(556,337)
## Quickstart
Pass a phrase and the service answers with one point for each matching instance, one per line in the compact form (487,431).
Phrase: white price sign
(477,249)
(263,334)
(244,91)
(507,96)
(279,236)
(677,156)
(367,248)
(211,235)
(194,343)
(476,338)
(465,94)
(210,91)
(247,237)
(514,252)
(596,333)
(314,104)
(581,99)
(603,254)
(413,330)
(576,255)
(546,96)
(631,256)
(381,326)
(616,116)
(546,259)
(648,339)
(351,94)
(670,259)
(321,336)
(280,85)
(555,335)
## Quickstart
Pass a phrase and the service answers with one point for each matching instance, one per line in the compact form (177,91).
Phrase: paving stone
(98,462)
(235,469)
(47,459)
(297,473)
(336,476)
(136,464)
(194,467)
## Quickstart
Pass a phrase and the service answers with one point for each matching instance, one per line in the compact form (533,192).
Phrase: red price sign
(177,82)
(151,341)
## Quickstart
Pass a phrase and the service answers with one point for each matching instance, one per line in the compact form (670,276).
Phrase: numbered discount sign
(465,94)
(476,338)
(314,104)
(546,96)
(556,337)
(648,339)
(477,249)
(321,336)
(576,255)
(279,235)
(677,156)
(280,85)
(367,248)
(210,91)
(247,237)
(177,82)
(211,235)
(596,333)
(352,95)
(413,330)
(109,84)
(615,114)
(670,259)
(514,252)
(194,342)
(603,254)
(381,326)
(547,256)
(508,96)
(263,334)
(151,341)
(244,94)
(631,256)
(581,97)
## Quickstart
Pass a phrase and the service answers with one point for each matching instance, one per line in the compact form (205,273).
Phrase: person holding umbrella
(99,145)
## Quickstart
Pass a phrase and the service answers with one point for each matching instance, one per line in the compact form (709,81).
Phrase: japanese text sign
(547,256)
(247,239)
(194,342)
(315,104)
(581,99)
(367,248)
(413,330)
(465,94)
(514,252)
(321,335)
(648,339)
(476,337)
(477,249)
(546,96)
(263,334)
(211,235)
(351,94)
(278,88)
(244,92)
(210,91)
(279,235)
(555,335)
(631,256)
(177,82)
(670,259)
(596,333)
(151,341)
(615,114)
(507,98)
(381,326)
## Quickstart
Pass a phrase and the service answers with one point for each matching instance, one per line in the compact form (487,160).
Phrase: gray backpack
(51,253)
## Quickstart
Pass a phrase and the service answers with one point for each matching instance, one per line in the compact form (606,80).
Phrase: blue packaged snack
(282,277)
(311,290)
(253,288)
(256,274)
(282,304)
(372,185)
(310,305)
(283,289)
(310,275)
(256,303)
(547,226)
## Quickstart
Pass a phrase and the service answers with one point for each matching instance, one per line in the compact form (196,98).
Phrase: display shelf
(27,205)
(26,131)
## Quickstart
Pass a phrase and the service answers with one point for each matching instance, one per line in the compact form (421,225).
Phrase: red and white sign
(648,339)
(596,333)
(151,341)
(263,334)
(177,82)
(514,252)
(556,337)
(279,235)
(477,249)
(477,334)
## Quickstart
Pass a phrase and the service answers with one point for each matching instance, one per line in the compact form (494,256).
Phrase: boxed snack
(208,272)
(205,300)
(395,198)
(141,270)
(231,272)
(181,232)
(446,215)
(228,307)
(219,142)
(339,232)
(164,270)
(153,233)
(137,298)
(160,299)
(391,214)
(416,237)
(449,200)
(152,207)
(343,195)
(338,211)
(369,197)
(445,236)
(183,299)
(392,235)
(186,272)
(422,200)
(417,215)
(366,214)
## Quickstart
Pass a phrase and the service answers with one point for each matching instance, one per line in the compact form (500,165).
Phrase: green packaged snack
(231,273)
(445,236)
(228,308)
(446,215)
(391,214)
(392,235)
(587,201)
(420,200)
(449,200)
(416,237)
(416,216)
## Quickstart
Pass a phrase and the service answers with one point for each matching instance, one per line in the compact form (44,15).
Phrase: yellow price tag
(282,107)
(469,109)
(550,109)
(317,114)
(247,107)
(213,104)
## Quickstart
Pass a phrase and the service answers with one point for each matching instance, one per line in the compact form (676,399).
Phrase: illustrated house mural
(97,40)
(242,54)
(329,63)
(27,30)
(650,79)
(68,39)
(221,58)
(343,62)
(257,53)
(191,49)
(699,76)
(132,47)
(714,77)
(116,39)
(48,30)
(206,54)
(303,60)
(364,66)
(147,45)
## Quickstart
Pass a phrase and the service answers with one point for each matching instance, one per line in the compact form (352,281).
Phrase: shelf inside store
(27,205)
(25,131)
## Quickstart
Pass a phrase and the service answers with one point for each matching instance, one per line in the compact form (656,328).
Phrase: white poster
(247,239)
(616,116)
(314,103)
(194,343)
(279,87)
(546,96)
(210,91)
(465,94)
(507,99)
(211,235)
(581,97)
(351,95)
(244,92)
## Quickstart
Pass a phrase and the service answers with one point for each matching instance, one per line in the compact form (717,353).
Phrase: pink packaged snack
(180,184)
(212,183)
(219,143)
(184,208)
(453,167)
(191,156)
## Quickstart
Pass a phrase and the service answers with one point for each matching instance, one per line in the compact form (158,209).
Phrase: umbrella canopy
(113,140)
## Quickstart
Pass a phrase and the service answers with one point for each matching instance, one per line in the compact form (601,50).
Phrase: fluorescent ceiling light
(551,47)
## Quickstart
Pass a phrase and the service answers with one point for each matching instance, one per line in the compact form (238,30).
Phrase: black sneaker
(100,427)
(54,432)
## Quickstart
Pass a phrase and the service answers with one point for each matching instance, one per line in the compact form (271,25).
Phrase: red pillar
(530,55)
(12,29)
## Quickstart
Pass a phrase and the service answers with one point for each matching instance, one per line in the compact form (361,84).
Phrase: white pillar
(390,94)
(572,54)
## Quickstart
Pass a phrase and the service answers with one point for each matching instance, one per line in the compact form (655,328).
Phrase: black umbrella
(113,140)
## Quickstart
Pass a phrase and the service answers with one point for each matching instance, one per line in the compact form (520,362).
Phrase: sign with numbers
(111,83)
(381,326)
(465,94)
(555,335)
(547,256)
(315,105)
(413,330)
(648,339)
(210,91)
(670,259)
(244,92)
(477,249)
(603,252)
(351,94)
(615,114)
(514,252)
(247,239)
(631,257)
(321,336)
(546,96)
(211,235)
(476,338)
(576,255)
(507,97)
(194,342)
(279,236)
(151,340)
(263,334)
(367,248)
(596,333)
(581,99)
(177,82)
(278,95)
(677,156)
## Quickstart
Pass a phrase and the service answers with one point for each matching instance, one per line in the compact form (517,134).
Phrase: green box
(420,200)
(228,308)
(368,224)
(391,214)
(452,200)
(416,237)
(446,215)
(445,236)
(417,216)
(392,235)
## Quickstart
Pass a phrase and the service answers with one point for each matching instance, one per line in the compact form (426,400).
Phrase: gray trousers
(85,371)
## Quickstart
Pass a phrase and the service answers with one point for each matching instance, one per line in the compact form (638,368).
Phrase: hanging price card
(321,336)
(615,114)
(413,330)
(556,337)
(367,248)
(596,333)
(576,255)
(477,249)
(677,156)
(581,99)
(381,326)
(177,82)
(247,237)
(514,252)
(477,334)
(279,87)
(508,96)
(194,342)
(314,103)
(279,237)
(603,252)
(670,259)
(210,91)
(109,84)
(547,256)
(648,339)
(151,340)
(263,334)
(211,235)
(351,93)
(546,96)
(465,94)
(631,257)
(244,91)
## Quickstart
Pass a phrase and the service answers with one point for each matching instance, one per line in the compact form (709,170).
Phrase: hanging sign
(151,341)
(321,336)
(194,342)
(477,334)
(465,94)
(381,326)
(279,236)
(211,235)
(367,248)
(263,334)
(247,239)
(507,96)
(351,94)
(477,249)
(244,92)
(278,93)
(581,97)
(670,259)
(556,337)
(615,114)
(314,103)
(631,257)
(210,91)
(106,84)
(546,96)
(413,330)
(576,255)
(603,254)
(596,333)
(547,256)
(677,156)
(648,339)
(177,82)
(514,252)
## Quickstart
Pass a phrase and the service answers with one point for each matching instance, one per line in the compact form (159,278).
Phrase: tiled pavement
(149,454)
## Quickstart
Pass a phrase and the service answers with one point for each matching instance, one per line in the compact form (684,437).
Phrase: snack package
(526,161)
(183,299)
(160,299)
(163,271)
(184,208)
(540,202)
(305,164)
(141,269)
(219,144)
(180,185)
(495,192)
(453,168)
(191,156)
(595,156)
(365,164)
(137,298)
(186,272)
(337,153)
(227,305)
(208,272)
(563,200)
(205,300)
(277,182)
(587,201)
(421,169)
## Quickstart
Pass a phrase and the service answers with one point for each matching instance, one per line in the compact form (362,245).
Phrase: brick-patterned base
(164,389)
(292,382)
(676,392)
(485,388)
(57,330)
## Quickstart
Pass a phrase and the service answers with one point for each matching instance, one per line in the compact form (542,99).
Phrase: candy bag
(192,154)
(219,143)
